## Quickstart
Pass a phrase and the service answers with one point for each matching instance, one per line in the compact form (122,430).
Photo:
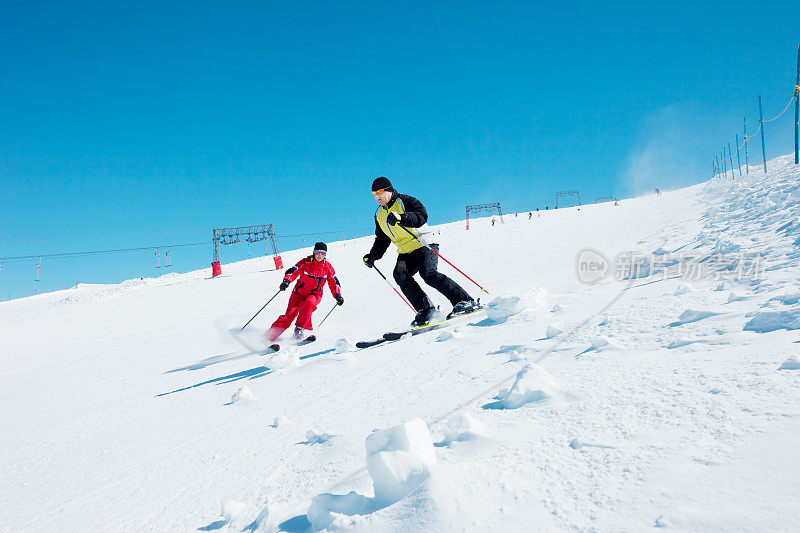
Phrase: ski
(307,340)
(272,349)
(416,330)
(276,347)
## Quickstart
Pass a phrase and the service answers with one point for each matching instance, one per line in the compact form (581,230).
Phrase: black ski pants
(424,261)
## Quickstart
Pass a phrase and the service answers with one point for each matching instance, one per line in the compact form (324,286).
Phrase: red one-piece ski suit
(306,295)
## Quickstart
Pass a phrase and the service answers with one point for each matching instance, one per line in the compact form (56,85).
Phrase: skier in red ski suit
(310,272)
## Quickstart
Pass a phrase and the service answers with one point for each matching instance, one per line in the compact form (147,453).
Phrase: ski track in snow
(649,402)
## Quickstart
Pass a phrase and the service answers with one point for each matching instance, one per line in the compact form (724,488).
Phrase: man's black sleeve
(415,214)
(381,243)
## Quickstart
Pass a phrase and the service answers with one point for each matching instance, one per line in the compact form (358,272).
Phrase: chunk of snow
(683,288)
(399,459)
(344,346)
(682,342)
(692,315)
(285,358)
(532,384)
(326,508)
(444,335)
(232,510)
(724,247)
(503,307)
(792,363)
(262,521)
(462,426)
(788,299)
(243,395)
(599,343)
(766,321)
(552,331)
(514,356)
(314,437)
(733,297)
(556,308)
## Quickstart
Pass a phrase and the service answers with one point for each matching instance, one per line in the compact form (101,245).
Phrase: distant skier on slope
(413,256)
(312,271)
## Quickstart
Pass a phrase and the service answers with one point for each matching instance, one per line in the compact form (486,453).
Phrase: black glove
(393,218)
(284,284)
(369,261)
(339,299)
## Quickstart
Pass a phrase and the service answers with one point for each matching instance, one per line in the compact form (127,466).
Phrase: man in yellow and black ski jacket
(396,210)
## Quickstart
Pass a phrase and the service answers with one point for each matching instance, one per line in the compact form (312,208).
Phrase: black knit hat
(321,246)
(382,183)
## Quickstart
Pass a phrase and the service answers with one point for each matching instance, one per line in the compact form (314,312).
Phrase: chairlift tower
(574,195)
(485,208)
(249,234)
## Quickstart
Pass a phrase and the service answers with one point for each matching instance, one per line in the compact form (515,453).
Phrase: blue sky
(155,121)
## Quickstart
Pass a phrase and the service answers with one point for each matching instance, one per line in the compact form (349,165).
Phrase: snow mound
(791,298)
(463,426)
(233,511)
(792,363)
(243,395)
(284,358)
(503,307)
(679,343)
(692,315)
(683,288)
(532,384)
(444,336)
(553,330)
(399,459)
(514,356)
(766,321)
(344,346)
(733,297)
(327,511)
(314,437)
(599,343)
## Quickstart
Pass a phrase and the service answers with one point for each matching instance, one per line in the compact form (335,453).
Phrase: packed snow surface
(664,394)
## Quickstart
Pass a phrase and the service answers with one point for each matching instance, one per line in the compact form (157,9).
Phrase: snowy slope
(653,401)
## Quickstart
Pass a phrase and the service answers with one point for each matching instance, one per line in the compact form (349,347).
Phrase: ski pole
(442,257)
(326,316)
(393,287)
(265,305)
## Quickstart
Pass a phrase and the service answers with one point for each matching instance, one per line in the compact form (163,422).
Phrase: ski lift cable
(95,252)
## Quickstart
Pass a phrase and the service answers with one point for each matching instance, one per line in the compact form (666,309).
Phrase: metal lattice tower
(485,208)
(248,234)
(568,194)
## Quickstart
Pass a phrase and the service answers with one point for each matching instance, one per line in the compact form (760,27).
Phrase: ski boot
(423,317)
(463,307)
(299,333)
